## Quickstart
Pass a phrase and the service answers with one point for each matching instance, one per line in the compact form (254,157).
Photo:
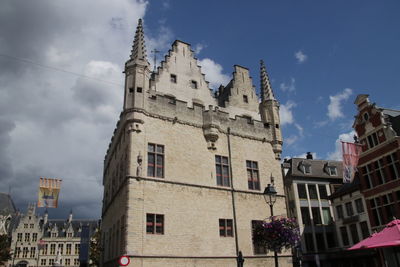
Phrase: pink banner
(351,155)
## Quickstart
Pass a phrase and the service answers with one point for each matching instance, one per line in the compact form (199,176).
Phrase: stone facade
(186,167)
(38,241)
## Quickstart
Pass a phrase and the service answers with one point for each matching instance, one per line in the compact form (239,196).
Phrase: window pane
(248,163)
(302,191)
(322,192)
(316,215)
(224,160)
(345,238)
(327,215)
(305,215)
(160,149)
(320,241)
(229,228)
(221,227)
(312,190)
(218,159)
(151,147)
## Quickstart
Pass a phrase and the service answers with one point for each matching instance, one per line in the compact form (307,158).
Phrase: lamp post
(270,199)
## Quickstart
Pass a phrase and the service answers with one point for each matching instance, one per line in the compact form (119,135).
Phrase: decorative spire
(266,89)
(139,48)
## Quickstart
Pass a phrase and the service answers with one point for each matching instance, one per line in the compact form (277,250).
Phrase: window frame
(226,228)
(153,224)
(223,177)
(155,166)
(173,78)
(257,249)
(253,175)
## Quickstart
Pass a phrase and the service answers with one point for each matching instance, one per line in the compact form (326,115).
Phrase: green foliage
(5,250)
(95,249)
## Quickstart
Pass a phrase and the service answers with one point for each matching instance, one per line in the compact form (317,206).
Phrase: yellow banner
(49,190)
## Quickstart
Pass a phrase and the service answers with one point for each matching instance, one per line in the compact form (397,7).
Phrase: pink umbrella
(388,237)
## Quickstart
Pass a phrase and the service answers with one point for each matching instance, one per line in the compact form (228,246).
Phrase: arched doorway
(22,264)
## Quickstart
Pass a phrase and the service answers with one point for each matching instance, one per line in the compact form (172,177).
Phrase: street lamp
(270,199)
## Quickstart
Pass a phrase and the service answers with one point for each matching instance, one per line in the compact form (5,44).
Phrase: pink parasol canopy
(388,237)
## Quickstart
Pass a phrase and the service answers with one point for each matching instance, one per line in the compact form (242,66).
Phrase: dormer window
(332,171)
(305,167)
(193,84)
(173,78)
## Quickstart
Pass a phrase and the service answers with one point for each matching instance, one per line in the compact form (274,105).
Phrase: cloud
(300,56)
(198,48)
(337,153)
(288,87)
(286,114)
(304,155)
(335,104)
(213,72)
(160,40)
(54,123)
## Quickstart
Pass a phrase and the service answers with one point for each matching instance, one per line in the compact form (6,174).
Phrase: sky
(61,80)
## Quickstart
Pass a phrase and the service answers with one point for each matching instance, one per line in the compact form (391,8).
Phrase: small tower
(137,72)
(269,110)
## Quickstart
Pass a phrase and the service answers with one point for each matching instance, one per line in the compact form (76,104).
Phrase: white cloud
(335,104)
(286,114)
(337,153)
(213,72)
(288,87)
(304,155)
(291,140)
(300,56)
(198,48)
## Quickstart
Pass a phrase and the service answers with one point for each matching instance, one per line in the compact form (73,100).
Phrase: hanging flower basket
(277,233)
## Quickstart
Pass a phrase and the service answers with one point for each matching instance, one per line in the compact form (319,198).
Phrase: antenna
(155,51)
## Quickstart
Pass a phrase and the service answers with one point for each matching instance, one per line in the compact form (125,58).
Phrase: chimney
(309,155)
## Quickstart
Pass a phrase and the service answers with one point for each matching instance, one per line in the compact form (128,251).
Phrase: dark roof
(318,168)
(63,225)
(394,118)
(347,188)
(6,204)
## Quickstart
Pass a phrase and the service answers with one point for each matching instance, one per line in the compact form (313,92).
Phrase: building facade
(38,241)
(378,132)
(186,167)
(308,184)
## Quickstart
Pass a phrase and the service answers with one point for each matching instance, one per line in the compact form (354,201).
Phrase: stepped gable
(239,96)
(180,77)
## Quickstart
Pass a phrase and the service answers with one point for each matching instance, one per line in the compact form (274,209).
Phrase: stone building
(7,213)
(308,184)
(38,241)
(186,167)
(378,131)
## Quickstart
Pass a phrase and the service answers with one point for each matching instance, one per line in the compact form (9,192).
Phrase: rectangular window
(326,213)
(222,170)
(367,172)
(364,229)
(393,165)
(51,262)
(19,237)
(18,252)
(308,238)
(61,248)
(339,211)
(226,227)
(301,188)
(332,170)
(306,168)
(316,215)
(44,250)
(245,99)
(31,225)
(372,140)
(173,78)
(34,237)
(354,233)
(33,252)
(155,223)
(323,194)
(25,251)
(76,261)
(305,215)
(312,191)
(67,262)
(193,84)
(252,175)
(52,249)
(43,262)
(27,237)
(25,225)
(258,249)
(68,249)
(345,237)
(77,248)
(155,158)
(359,205)
(349,209)
(379,171)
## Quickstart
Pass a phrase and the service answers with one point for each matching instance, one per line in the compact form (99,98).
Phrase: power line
(60,70)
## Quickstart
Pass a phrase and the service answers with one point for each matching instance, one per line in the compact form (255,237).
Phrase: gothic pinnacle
(266,89)
(139,48)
